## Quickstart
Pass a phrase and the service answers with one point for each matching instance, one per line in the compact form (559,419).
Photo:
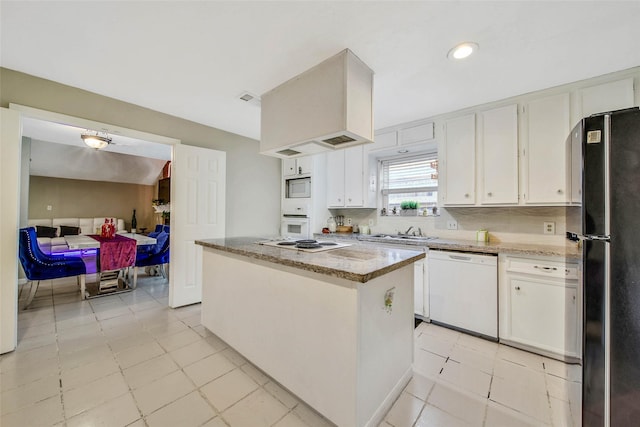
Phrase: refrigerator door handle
(574,237)
(598,238)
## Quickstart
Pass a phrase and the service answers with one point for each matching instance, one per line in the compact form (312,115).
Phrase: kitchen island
(334,327)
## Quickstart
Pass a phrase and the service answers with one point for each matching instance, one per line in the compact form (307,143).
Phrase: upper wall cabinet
(407,136)
(498,156)
(606,97)
(415,134)
(299,166)
(347,179)
(546,153)
(459,155)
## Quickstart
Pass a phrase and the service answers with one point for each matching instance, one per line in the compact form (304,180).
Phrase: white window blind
(410,178)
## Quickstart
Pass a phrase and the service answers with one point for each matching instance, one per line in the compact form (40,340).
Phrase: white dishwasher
(464,291)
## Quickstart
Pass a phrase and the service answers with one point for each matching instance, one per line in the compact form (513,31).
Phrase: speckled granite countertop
(569,251)
(358,263)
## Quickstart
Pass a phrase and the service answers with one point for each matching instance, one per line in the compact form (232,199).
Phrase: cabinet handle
(460,258)
(489,194)
(559,191)
(517,288)
(466,195)
(545,269)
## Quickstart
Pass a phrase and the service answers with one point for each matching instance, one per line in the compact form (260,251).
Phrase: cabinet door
(607,97)
(384,140)
(543,314)
(415,134)
(460,155)
(289,167)
(576,166)
(546,152)
(498,151)
(335,178)
(354,177)
(304,164)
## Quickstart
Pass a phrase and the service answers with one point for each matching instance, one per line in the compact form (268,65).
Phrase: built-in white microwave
(297,188)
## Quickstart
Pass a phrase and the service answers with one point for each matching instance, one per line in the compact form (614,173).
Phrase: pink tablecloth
(116,253)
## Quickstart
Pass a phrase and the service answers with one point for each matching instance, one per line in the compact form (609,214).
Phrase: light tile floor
(461,380)
(129,360)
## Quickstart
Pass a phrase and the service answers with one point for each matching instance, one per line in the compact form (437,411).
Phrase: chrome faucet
(408,230)
(419,232)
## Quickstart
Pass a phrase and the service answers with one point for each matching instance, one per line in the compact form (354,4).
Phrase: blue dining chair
(158,255)
(39,266)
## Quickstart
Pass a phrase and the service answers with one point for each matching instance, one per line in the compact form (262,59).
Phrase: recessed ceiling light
(463,50)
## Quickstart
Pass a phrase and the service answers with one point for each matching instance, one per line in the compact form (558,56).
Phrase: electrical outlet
(452,225)
(49,207)
(349,221)
(549,228)
(371,223)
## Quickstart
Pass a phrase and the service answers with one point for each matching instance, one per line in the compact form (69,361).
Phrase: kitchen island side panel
(305,330)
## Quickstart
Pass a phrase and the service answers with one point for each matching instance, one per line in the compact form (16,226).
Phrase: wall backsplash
(503,223)
(71,198)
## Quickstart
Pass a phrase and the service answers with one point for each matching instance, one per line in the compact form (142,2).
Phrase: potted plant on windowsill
(409,208)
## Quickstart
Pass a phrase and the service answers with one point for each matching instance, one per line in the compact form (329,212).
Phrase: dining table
(115,256)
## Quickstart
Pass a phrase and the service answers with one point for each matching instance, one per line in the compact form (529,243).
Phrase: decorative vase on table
(134,222)
(108,229)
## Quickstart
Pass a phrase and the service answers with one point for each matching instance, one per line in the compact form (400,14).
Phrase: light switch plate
(452,225)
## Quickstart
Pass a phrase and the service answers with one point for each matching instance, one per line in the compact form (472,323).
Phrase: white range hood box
(326,108)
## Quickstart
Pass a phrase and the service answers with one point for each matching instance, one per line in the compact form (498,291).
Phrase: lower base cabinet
(540,306)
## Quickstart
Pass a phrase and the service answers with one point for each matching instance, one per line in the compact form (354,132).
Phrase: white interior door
(198,183)
(10,143)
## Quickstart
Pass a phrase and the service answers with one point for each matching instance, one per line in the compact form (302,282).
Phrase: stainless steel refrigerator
(610,230)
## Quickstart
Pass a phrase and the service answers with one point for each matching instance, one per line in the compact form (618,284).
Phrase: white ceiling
(193,59)
(70,135)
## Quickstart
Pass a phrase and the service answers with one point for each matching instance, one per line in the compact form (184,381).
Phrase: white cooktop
(290,244)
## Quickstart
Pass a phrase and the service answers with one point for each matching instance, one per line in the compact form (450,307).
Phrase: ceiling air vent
(249,98)
(288,152)
(337,140)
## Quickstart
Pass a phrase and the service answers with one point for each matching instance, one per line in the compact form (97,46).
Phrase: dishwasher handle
(546,269)
(460,258)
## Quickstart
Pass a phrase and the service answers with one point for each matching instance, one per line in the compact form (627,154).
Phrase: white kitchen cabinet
(498,156)
(354,179)
(545,152)
(540,305)
(299,166)
(415,134)
(606,97)
(575,145)
(335,179)
(346,184)
(384,141)
(459,161)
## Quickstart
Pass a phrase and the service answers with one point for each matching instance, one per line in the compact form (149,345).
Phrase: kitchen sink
(404,237)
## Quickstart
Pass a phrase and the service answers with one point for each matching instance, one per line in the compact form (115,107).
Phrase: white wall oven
(297,188)
(295,227)
(295,219)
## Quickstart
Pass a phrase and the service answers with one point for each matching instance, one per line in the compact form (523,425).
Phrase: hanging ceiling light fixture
(95,139)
